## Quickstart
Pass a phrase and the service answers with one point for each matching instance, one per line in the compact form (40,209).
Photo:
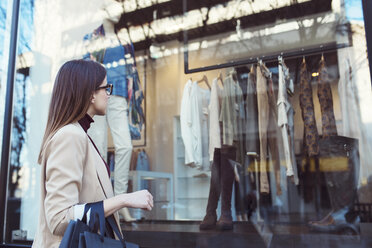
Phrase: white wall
(59,29)
(357,119)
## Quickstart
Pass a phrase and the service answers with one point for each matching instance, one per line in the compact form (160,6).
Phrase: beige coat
(72,173)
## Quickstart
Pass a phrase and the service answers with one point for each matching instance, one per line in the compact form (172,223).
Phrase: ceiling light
(315,74)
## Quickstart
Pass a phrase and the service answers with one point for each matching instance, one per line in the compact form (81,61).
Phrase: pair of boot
(222,180)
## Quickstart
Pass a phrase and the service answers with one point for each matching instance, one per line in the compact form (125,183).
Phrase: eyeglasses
(107,87)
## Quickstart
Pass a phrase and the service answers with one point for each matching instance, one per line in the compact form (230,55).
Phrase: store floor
(245,234)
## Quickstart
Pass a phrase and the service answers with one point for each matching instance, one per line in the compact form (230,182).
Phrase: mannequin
(105,39)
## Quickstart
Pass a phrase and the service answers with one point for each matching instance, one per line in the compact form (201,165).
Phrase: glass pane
(251,29)
(278,148)
(4,37)
(22,191)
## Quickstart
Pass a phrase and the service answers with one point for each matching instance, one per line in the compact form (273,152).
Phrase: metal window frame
(329,47)
(8,113)
(367,8)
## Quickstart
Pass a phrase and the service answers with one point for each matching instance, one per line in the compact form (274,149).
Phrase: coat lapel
(104,180)
(102,173)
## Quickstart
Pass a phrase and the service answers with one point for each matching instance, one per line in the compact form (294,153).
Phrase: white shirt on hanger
(186,123)
(200,124)
(283,111)
(214,113)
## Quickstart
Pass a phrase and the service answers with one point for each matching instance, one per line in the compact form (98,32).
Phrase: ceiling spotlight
(315,74)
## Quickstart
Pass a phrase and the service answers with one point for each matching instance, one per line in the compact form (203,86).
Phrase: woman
(73,172)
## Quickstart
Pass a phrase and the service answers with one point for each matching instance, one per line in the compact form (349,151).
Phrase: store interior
(174,49)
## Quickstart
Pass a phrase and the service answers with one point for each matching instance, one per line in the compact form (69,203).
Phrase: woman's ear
(93,98)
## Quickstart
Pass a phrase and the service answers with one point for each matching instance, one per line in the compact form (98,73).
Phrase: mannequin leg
(227,180)
(210,219)
(98,133)
(117,118)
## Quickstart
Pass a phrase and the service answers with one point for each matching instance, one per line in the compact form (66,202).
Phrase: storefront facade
(272,96)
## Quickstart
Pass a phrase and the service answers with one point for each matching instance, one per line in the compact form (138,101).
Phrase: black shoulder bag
(80,235)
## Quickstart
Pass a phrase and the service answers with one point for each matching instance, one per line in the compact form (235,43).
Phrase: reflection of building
(218,32)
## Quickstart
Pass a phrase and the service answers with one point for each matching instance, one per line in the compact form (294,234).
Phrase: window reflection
(293,140)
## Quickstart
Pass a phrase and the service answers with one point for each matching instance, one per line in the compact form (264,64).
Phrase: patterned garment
(326,101)
(310,140)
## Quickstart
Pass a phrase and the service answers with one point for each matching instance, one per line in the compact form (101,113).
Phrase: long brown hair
(75,83)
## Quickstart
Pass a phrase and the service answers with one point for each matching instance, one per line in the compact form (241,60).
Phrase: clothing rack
(325,48)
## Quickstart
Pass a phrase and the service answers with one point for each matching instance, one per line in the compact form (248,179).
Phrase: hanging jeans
(267,121)
(117,119)
(272,133)
(263,124)
(252,142)
(285,121)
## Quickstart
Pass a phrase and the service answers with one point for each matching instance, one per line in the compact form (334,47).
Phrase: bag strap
(86,209)
(115,228)
(95,223)
(97,218)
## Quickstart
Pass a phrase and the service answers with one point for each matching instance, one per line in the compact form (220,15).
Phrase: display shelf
(139,176)
(191,190)
(194,178)
(192,198)
(191,208)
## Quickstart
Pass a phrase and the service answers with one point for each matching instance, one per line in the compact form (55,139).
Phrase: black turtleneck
(85,124)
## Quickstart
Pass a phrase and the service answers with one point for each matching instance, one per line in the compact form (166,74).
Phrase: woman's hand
(139,199)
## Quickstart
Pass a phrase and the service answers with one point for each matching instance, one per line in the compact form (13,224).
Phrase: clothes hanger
(232,71)
(204,79)
(219,78)
(280,59)
(234,74)
(263,67)
(259,62)
(251,69)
